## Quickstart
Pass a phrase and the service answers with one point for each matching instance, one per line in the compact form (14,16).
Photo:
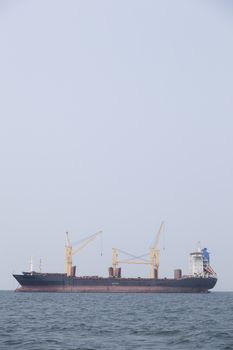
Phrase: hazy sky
(116,115)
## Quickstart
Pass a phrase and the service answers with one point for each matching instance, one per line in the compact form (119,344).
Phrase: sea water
(47,321)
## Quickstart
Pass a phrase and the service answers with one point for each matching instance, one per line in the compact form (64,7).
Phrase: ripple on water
(115,321)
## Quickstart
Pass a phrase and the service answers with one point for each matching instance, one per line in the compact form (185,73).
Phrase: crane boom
(67,239)
(86,242)
(133,262)
(157,238)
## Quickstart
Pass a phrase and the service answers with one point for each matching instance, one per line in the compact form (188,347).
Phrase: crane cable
(133,256)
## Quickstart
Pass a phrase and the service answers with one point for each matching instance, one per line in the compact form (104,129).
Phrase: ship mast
(154,254)
(69,253)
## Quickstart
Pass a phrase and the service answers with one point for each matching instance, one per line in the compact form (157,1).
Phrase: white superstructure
(196,264)
(200,264)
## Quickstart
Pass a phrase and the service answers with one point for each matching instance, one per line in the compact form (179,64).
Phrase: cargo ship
(201,279)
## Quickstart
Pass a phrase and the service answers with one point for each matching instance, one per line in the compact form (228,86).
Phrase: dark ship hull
(55,282)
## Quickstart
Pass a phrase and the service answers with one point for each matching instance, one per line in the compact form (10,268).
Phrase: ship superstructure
(200,264)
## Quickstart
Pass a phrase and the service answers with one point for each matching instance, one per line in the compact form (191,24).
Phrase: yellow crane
(153,260)
(69,252)
(116,261)
(154,254)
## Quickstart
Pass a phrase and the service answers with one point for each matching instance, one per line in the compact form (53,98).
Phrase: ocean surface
(44,321)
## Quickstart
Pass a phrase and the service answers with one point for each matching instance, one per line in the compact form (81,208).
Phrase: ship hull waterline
(63,284)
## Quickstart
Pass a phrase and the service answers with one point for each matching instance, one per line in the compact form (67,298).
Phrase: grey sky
(115,115)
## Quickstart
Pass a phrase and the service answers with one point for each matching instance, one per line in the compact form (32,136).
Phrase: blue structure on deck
(205,256)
